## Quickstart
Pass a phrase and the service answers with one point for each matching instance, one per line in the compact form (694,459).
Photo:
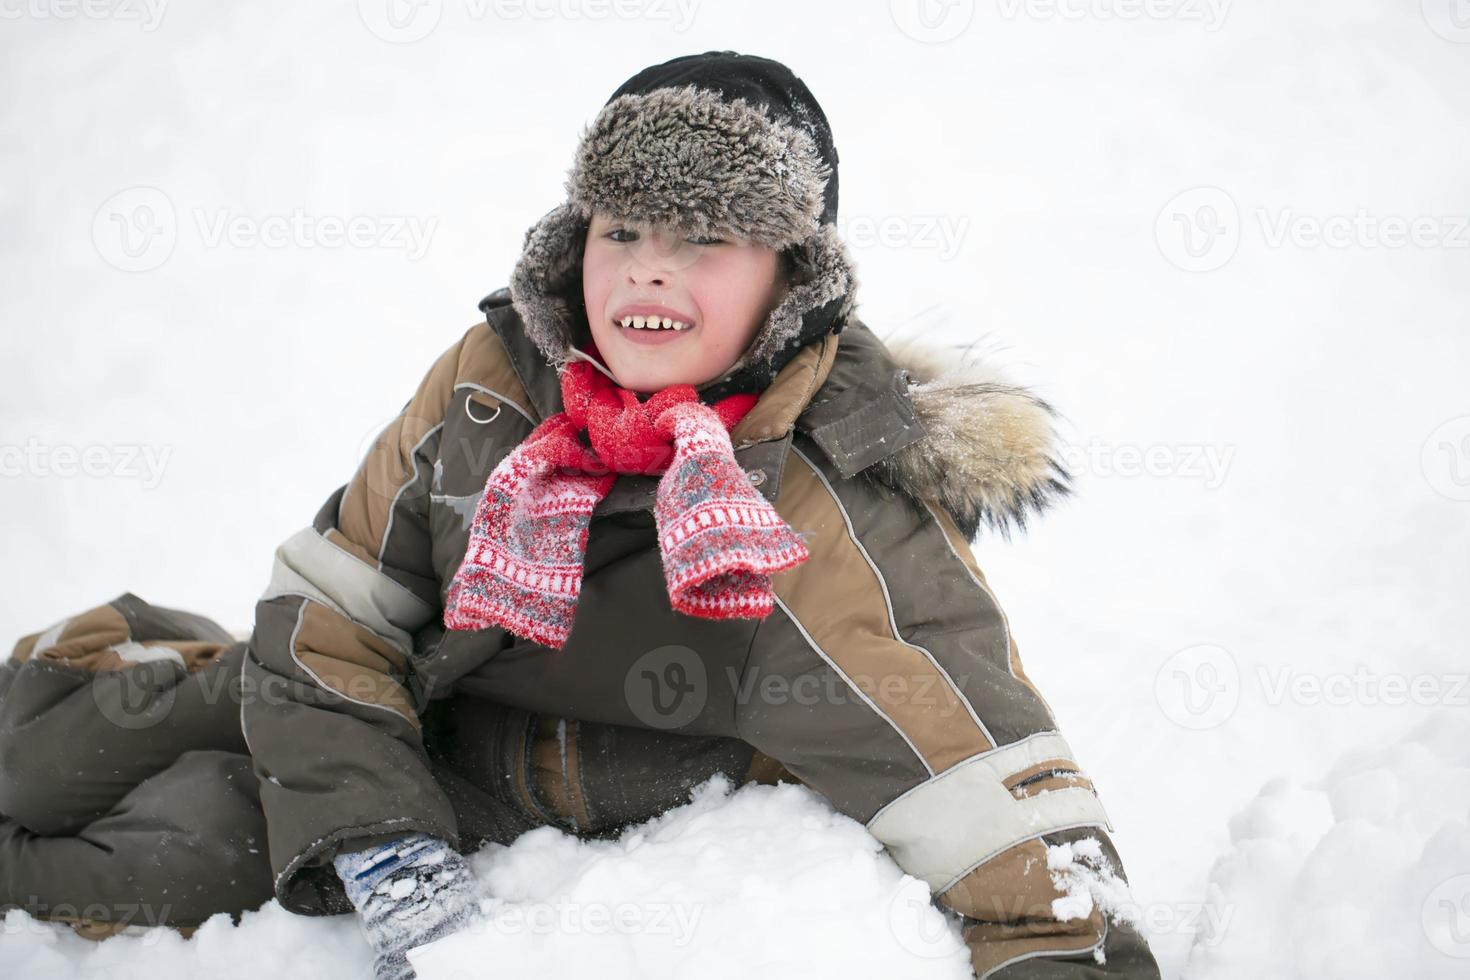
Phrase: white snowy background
(1226,239)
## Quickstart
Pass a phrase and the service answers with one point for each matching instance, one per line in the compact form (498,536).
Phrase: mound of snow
(768,879)
(764,879)
(1365,873)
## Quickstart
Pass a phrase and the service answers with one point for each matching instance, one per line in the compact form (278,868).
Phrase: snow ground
(1250,619)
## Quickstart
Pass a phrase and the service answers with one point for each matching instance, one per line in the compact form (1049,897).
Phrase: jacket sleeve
(887,679)
(331,705)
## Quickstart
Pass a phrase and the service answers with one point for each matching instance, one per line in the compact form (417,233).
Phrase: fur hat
(711,143)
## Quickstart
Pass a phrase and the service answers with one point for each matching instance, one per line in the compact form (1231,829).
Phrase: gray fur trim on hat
(546,276)
(824,272)
(687,158)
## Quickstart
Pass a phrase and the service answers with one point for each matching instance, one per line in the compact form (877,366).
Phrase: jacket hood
(990,454)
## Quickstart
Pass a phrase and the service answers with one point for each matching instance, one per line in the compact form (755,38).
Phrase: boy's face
(721,290)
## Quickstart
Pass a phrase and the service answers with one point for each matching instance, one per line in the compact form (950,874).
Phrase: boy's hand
(407,892)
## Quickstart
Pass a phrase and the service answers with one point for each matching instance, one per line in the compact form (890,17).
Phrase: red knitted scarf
(720,540)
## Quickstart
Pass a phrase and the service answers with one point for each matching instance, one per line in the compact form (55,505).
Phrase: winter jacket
(887,679)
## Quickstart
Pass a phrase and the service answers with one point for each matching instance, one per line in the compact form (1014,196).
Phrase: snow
(1250,619)
(1358,874)
(705,890)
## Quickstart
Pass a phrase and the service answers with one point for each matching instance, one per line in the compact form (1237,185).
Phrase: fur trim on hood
(991,455)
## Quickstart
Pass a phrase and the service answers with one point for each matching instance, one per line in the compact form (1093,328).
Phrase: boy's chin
(645,382)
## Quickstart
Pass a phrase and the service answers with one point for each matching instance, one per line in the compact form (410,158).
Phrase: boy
(670,466)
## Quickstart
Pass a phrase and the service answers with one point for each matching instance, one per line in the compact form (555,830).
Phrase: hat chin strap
(577,353)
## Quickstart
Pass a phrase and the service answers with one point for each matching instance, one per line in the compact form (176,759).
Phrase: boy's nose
(655,256)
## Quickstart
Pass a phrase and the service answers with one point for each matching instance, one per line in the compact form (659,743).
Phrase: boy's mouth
(651,328)
(653,322)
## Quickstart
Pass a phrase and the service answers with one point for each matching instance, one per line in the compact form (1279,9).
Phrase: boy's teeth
(653,323)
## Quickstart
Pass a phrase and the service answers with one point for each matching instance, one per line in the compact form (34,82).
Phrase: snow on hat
(713,143)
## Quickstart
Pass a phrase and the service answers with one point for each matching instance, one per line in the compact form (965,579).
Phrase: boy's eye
(632,236)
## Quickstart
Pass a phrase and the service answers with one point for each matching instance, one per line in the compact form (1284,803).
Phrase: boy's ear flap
(788,266)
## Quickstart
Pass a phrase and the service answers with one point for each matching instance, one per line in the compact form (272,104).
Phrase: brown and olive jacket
(887,679)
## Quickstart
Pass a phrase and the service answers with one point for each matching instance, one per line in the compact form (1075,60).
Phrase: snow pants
(128,797)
